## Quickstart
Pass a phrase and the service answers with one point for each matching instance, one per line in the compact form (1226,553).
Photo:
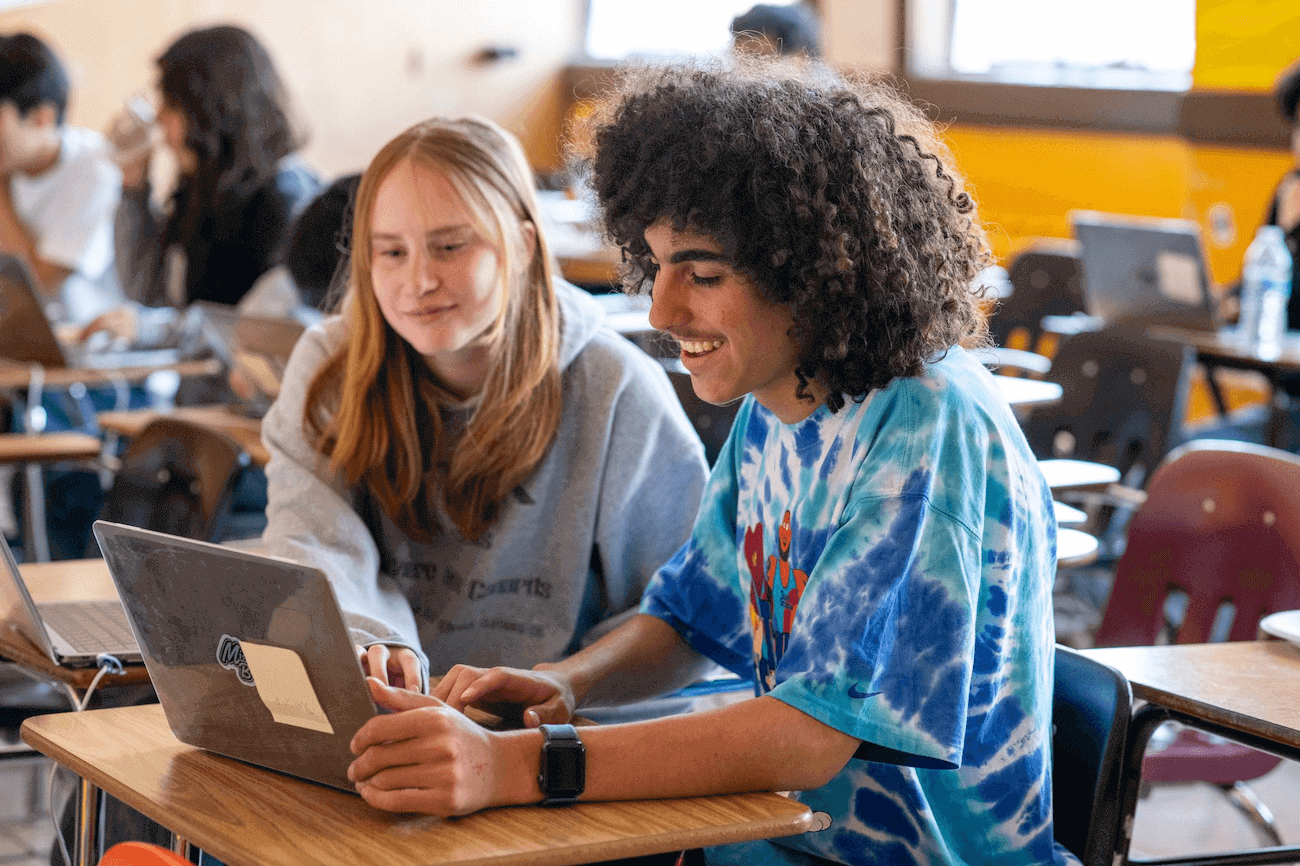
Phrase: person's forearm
(642,658)
(758,745)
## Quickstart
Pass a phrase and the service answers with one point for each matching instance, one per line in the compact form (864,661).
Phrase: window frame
(1237,118)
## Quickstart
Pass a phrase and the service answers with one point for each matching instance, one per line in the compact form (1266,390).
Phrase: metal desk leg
(36,544)
(88,818)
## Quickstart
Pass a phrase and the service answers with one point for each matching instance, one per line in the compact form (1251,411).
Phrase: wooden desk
(1249,687)
(15,376)
(243,429)
(67,580)
(1245,691)
(1223,349)
(246,816)
(29,451)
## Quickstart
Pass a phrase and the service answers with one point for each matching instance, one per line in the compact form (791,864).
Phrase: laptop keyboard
(89,626)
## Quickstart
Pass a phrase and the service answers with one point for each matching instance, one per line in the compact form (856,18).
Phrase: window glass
(617,29)
(1124,44)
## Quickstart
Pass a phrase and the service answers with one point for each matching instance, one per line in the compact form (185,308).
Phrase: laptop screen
(1144,270)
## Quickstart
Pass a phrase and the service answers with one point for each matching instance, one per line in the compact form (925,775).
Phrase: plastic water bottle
(1265,291)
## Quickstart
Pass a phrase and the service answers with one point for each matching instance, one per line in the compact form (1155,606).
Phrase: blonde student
(483,468)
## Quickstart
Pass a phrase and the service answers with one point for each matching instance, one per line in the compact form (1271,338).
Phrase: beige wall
(862,33)
(359,72)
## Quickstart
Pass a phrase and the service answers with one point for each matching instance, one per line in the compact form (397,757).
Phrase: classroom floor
(1173,820)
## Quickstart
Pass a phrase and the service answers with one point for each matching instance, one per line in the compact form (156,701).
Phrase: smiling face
(733,341)
(434,275)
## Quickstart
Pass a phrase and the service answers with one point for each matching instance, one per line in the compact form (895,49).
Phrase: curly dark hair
(833,195)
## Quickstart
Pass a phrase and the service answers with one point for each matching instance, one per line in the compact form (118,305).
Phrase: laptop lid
(248,653)
(1144,271)
(27,336)
(21,614)
(25,332)
(256,346)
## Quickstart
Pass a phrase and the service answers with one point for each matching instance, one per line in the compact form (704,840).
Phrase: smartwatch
(563,774)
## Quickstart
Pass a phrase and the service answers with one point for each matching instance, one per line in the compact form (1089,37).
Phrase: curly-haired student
(876,544)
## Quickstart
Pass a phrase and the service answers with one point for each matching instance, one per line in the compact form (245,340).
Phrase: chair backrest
(1046,280)
(713,423)
(1091,704)
(1213,550)
(1124,402)
(176,477)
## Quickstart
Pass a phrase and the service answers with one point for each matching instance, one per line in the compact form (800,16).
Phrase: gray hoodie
(612,500)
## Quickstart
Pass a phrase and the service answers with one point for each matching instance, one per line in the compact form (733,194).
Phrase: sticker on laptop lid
(284,687)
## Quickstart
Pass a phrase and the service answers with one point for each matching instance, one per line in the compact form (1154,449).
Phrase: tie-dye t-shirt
(887,569)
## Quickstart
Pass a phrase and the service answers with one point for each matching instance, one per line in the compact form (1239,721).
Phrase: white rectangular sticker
(283,685)
(1179,277)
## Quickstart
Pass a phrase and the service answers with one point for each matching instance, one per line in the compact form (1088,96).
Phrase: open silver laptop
(27,336)
(248,653)
(1144,271)
(72,633)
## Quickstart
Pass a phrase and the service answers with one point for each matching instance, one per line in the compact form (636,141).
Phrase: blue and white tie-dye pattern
(887,569)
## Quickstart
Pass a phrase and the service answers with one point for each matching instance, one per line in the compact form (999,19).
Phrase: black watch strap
(563,773)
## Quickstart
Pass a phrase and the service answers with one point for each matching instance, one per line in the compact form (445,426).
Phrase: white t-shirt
(70,209)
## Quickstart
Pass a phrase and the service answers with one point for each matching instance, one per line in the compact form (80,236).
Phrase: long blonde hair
(385,430)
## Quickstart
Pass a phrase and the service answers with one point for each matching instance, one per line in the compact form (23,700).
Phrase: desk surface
(243,429)
(1028,392)
(244,815)
(1222,346)
(47,447)
(15,376)
(1248,686)
(67,580)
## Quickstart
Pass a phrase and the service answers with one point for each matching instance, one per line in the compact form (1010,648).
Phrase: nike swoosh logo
(859,695)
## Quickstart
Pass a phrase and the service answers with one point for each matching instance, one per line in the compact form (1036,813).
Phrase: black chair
(176,477)
(1124,402)
(1091,707)
(1125,398)
(1046,280)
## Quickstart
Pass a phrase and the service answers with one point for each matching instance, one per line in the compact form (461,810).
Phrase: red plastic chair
(141,854)
(1214,549)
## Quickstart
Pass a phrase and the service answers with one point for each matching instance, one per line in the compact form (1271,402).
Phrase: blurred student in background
(1284,210)
(483,469)
(224,116)
(313,262)
(61,187)
(773,29)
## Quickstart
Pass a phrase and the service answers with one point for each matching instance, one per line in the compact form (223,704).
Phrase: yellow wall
(359,72)
(1242,44)
(1027,180)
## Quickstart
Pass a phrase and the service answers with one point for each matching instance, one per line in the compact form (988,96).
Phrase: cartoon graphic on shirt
(792,583)
(760,608)
(774,596)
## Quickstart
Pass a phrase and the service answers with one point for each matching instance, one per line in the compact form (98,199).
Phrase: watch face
(564,770)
